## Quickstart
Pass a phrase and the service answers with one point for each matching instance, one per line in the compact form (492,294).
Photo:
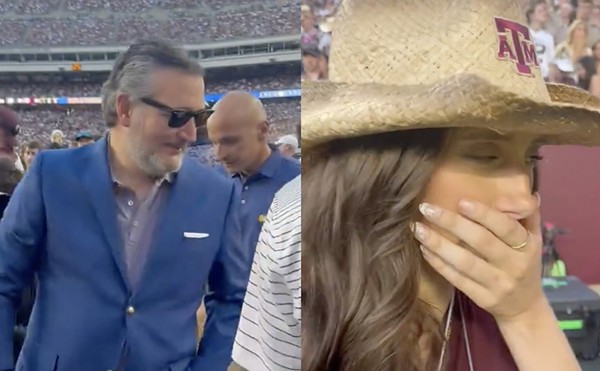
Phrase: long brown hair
(360,263)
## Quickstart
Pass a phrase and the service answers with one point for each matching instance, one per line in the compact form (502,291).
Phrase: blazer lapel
(98,182)
(174,214)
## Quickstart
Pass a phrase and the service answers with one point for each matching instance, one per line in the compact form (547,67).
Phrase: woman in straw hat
(421,226)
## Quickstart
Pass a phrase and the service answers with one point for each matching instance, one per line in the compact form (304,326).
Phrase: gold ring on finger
(519,247)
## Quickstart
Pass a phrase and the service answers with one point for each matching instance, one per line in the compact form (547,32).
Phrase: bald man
(239,130)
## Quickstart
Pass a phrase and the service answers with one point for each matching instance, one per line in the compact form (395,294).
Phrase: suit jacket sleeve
(22,232)
(228,279)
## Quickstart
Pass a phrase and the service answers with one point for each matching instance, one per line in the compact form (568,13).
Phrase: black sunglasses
(179,117)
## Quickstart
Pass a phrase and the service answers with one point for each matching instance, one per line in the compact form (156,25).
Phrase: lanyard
(447,334)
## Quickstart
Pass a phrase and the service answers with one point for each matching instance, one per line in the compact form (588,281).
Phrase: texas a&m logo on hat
(515,45)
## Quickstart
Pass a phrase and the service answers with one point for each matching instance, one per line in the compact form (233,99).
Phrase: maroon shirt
(488,349)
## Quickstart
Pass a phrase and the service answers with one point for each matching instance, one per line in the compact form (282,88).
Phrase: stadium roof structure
(275,49)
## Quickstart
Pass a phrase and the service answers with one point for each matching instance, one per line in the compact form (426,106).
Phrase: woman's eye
(482,158)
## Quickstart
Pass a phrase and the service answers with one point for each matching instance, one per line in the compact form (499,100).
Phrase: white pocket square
(194,235)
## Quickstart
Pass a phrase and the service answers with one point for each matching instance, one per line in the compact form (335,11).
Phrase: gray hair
(132,69)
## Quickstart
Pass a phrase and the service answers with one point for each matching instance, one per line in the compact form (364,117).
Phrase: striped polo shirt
(268,336)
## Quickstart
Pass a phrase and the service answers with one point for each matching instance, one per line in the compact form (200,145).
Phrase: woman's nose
(517,200)
(518,207)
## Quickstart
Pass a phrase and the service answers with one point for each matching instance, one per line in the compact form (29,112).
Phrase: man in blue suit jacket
(125,234)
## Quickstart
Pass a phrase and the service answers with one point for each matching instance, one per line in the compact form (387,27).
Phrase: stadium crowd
(92,89)
(316,21)
(37,123)
(566,34)
(109,22)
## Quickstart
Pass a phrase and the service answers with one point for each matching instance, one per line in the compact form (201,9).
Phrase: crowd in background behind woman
(572,30)
(566,34)
(316,20)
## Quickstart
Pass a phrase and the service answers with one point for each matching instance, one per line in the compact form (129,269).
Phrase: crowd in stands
(566,34)
(92,89)
(50,89)
(316,20)
(109,22)
(38,122)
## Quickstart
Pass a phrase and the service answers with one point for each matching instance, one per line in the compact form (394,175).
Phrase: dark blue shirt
(257,192)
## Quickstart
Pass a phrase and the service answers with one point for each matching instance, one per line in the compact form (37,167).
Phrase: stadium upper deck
(111,22)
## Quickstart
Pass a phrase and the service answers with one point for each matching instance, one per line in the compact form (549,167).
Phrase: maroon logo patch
(515,45)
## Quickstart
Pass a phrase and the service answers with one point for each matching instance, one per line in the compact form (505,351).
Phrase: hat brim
(341,110)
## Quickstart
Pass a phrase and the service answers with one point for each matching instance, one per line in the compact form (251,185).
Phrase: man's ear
(263,130)
(123,109)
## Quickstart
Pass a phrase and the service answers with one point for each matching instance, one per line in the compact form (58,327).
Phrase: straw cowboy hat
(410,64)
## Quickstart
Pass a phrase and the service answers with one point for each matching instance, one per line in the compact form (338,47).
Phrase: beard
(149,162)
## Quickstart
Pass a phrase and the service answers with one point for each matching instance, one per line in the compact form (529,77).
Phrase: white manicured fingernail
(420,231)
(429,210)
